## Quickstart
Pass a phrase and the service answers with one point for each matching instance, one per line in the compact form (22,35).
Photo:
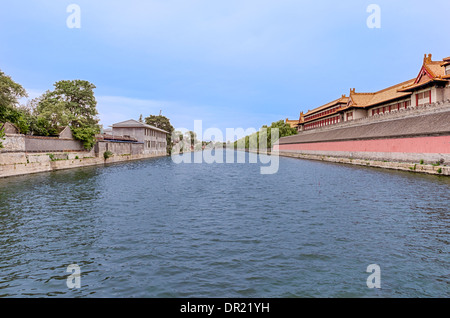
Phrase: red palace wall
(425,145)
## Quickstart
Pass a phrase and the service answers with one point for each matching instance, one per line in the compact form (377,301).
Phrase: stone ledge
(404,166)
(43,165)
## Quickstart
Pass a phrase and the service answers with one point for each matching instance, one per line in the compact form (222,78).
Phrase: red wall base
(438,144)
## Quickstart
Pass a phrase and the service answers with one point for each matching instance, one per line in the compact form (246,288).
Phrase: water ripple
(153,228)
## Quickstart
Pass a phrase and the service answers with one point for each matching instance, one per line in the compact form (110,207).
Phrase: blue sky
(233,63)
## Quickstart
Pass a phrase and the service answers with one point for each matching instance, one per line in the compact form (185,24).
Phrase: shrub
(2,137)
(107,154)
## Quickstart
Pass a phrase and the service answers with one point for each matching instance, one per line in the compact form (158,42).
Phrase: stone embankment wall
(22,163)
(26,154)
(394,165)
(420,136)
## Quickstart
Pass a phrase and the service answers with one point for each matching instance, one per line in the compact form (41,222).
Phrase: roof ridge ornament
(427,58)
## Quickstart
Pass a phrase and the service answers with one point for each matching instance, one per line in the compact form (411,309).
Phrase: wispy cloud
(182,114)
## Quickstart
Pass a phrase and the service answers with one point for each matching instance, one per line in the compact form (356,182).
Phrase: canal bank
(413,139)
(22,164)
(418,167)
(24,154)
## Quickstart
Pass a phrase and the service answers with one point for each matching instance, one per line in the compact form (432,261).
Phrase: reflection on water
(153,228)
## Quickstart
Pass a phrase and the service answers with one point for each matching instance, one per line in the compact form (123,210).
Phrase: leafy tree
(54,112)
(178,135)
(36,125)
(72,103)
(266,133)
(163,123)
(2,135)
(10,93)
(192,136)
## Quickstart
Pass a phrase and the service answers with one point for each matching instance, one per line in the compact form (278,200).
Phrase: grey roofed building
(154,138)
(136,124)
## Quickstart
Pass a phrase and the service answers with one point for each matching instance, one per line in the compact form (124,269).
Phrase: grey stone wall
(447,93)
(50,144)
(13,143)
(415,167)
(119,148)
(382,156)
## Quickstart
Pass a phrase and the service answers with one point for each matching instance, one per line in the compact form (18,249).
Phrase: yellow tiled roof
(436,69)
(342,100)
(292,123)
(361,99)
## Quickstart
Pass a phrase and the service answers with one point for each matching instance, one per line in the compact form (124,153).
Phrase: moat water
(154,228)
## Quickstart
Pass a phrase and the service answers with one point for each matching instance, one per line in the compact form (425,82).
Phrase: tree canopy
(266,133)
(72,103)
(10,93)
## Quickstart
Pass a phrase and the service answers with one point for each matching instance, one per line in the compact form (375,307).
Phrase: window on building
(423,98)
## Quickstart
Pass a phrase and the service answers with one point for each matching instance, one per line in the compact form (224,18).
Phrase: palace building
(431,85)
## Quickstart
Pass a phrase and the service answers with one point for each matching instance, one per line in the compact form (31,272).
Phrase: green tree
(10,93)
(162,122)
(2,136)
(266,133)
(72,103)
(192,137)
(36,125)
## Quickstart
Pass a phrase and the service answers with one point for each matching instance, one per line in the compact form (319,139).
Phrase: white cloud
(114,109)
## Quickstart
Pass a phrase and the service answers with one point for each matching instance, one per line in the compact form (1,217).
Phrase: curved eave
(422,85)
